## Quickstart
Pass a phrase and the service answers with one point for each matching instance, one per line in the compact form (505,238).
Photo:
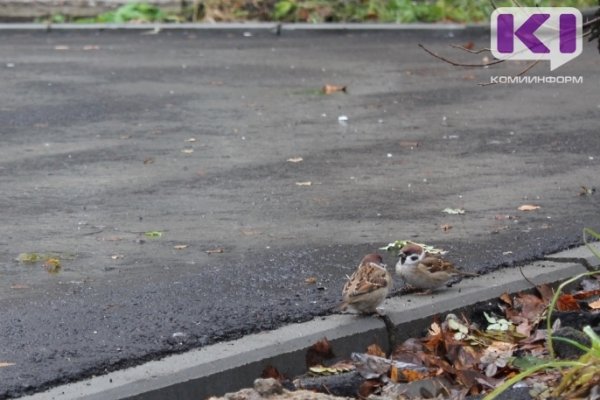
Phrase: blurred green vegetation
(405,11)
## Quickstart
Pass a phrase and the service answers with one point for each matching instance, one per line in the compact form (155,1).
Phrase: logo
(537,33)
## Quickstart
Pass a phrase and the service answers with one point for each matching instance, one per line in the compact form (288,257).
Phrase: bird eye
(414,257)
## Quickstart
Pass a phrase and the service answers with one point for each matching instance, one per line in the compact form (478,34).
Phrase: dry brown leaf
(567,302)
(505,297)
(546,292)
(369,387)
(528,207)
(311,280)
(595,305)
(446,227)
(295,159)
(52,265)
(330,89)
(409,144)
(394,374)
(19,286)
(318,352)
(306,183)
(271,372)
(469,45)
(375,350)
(215,251)
(180,246)
(586,294)
(6,364)
(149,160)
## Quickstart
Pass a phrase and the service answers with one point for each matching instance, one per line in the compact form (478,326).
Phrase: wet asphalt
(108,135)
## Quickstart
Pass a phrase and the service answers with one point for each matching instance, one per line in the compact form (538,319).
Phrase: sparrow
(425,271)
(368,286)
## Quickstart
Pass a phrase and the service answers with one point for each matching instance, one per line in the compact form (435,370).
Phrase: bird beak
(402,257)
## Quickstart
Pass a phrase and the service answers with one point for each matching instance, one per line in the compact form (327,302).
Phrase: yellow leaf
(329,89)
(528,207)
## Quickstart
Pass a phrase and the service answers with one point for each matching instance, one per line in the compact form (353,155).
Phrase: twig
(457,64)
(494,4)
(590,22)
(526,278)
(456,46)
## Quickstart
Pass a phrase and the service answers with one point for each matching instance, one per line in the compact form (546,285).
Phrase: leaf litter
(457,357)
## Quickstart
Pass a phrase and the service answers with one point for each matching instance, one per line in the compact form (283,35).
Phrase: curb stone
(229,366)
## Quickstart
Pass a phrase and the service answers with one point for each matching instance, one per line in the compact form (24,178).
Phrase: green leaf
(526,362)
(283,8)
(153,234)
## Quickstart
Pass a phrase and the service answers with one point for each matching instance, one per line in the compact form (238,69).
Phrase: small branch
(457,64)
(590,22)
(469,50)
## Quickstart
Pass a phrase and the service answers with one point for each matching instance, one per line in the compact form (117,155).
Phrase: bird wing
(437,264)
(368,278)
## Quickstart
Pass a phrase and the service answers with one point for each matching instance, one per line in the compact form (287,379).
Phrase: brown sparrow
(368,286)
(425,271)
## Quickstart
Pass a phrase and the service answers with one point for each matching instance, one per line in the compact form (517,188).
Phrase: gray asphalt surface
(94,126)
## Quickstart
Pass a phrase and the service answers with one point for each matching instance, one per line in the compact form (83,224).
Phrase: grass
(578,376)
(405,11)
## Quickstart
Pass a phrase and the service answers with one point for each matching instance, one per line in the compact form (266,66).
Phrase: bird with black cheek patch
(368,286)
(425,271)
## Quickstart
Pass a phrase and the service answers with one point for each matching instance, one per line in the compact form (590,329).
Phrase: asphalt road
(97,136)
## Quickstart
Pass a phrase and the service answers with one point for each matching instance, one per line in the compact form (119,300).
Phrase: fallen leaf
(505,297)
(61,47)
(295,159)
(191,140)
(375,350)
(330,89)
(19,286)
(318,352)
(215,251)
(29,257)
(153,234)
(187,151)
(408,143)
(271,372)
(117,256)
(595,305)
(446,227)
(469,45)
(585,191)
(149,160)
(368,387)
(307,183)
(6,364)
(528,207)
(567,302)
(453,211)
(180,246)
(52,265)
(311,280)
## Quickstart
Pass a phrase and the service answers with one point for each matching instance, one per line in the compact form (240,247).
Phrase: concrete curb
(249,26)
(229,366)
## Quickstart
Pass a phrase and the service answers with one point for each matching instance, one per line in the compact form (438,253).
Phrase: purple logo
(537,33)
